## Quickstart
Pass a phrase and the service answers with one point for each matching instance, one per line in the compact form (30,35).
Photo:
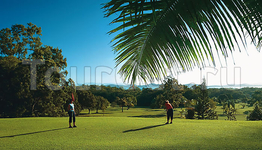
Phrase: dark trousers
(170,114)
(72,115)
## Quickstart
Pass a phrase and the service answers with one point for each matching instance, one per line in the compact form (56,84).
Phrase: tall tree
(202,104)
(24,89)
(101,103)
(172,91)
(156,36)
(131,101)
(87,100)
(121,102)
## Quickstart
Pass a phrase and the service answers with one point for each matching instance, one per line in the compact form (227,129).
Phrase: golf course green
(137,128)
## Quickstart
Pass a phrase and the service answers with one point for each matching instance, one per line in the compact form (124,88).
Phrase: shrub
(247,112)
(211,114)
(256,114)
(190,113)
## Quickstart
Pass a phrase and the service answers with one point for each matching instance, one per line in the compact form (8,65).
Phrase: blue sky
(79,28)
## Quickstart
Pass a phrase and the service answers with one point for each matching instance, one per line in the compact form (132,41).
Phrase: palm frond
(163,35)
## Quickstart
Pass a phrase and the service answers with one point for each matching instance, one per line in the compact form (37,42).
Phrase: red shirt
(168,106)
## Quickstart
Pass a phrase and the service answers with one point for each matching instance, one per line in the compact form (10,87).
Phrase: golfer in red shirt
(169,110)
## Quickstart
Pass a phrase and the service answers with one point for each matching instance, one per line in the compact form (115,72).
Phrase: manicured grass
(136,128)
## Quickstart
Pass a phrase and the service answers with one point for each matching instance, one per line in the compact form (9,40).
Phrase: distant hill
(154,86)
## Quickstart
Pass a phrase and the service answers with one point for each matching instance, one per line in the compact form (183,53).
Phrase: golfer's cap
(167,101)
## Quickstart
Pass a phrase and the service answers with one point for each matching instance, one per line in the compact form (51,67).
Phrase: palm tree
(157,36)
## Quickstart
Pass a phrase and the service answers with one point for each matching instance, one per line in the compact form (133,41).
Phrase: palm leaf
(164,35)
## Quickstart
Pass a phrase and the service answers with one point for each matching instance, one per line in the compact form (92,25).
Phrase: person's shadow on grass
(148,127)
(33,132)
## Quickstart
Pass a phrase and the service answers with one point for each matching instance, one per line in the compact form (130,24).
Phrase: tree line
(39,88)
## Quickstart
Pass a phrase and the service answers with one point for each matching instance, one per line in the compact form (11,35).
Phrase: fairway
(123,132)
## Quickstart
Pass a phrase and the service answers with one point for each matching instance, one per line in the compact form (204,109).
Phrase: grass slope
(117,130)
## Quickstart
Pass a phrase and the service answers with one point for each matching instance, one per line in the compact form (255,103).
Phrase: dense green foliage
(28,90)
(172,91)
